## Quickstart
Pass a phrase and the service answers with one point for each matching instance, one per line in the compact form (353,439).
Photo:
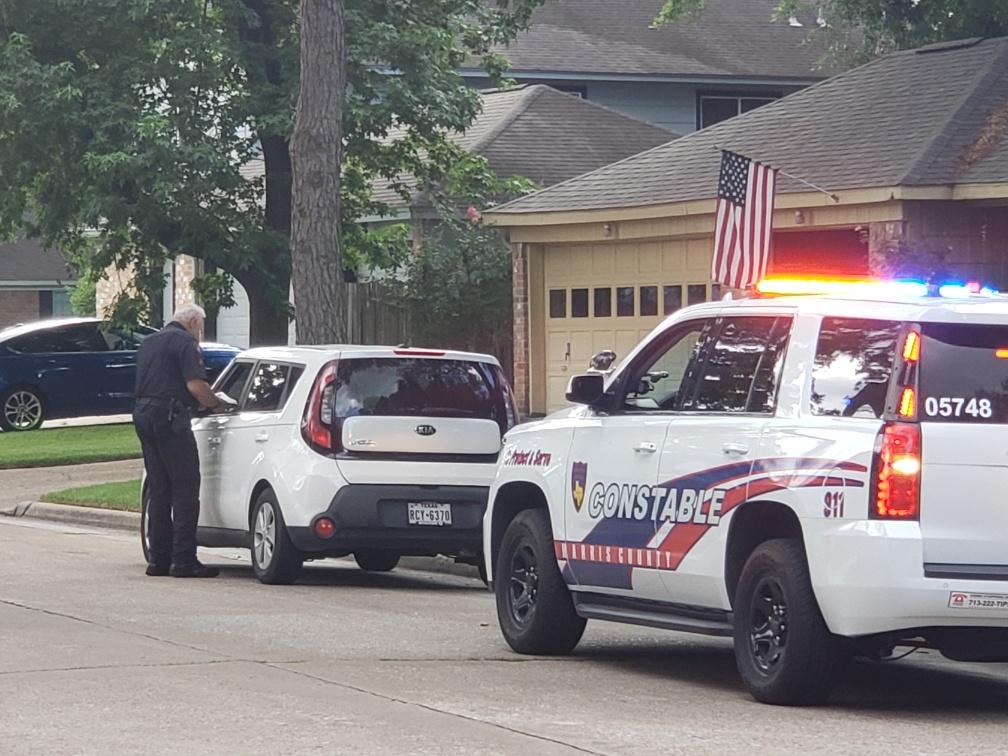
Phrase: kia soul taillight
(896,473)
(317,423)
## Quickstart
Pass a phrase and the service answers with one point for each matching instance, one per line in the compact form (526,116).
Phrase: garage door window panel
(603,303)
(727,377)
(579,303)
(558,303)
(671,299)
(625,302)
(663,375)
(648,300)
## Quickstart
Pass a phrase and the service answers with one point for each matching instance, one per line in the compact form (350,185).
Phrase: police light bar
(864,287)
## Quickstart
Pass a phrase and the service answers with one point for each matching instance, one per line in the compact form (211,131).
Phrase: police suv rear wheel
(534,606)
(785,653)
(275,560)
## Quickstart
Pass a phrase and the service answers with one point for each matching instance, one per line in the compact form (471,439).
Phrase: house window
(714,107)
(579,303)
(572,89)
(603,303)
(558,303)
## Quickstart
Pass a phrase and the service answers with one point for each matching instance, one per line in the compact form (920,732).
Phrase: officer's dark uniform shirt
(165,361)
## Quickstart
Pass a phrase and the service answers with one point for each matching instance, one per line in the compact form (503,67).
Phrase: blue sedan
(73,367)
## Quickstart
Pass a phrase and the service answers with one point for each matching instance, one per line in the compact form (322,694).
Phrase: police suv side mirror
(585,389)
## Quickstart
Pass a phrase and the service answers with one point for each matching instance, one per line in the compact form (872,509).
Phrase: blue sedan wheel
(21,410)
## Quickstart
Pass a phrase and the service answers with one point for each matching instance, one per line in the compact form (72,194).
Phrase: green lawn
(123,495)
(68,446)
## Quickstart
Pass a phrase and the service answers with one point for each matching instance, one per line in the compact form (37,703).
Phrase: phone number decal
(960,600)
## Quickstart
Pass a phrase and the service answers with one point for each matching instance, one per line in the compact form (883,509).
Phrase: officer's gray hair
(189,313)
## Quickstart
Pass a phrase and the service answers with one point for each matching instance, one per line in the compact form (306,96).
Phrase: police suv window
(269,387)
(745,347)
(657,384)
(963,373)
(853,362)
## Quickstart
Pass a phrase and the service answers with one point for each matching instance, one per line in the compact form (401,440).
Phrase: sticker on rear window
(960,600)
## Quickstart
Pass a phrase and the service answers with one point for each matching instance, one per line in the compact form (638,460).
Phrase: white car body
(363,488)
(648,561)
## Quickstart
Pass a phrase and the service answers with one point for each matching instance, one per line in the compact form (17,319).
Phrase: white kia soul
(816,477)
(378,452)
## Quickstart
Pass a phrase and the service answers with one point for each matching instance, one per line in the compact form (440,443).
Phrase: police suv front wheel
(275,560)
(534,606)
(784,651)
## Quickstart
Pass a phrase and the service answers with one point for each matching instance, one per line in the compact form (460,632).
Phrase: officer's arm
(203,394)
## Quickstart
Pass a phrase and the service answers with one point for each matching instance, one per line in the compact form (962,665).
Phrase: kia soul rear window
(963,373)
(423,388)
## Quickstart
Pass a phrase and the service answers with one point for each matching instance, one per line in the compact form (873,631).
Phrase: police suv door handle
(214,440)
(646,447)
(262,438)
(731,448)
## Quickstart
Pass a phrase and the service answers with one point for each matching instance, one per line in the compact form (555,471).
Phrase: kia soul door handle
(646,447)
(731,448)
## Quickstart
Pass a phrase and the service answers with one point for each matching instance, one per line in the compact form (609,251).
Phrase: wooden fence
(372,316)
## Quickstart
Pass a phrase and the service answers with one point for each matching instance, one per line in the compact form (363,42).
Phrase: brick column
(884,238)
(519,287)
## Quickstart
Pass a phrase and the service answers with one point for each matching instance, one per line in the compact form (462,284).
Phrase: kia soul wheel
(534,606)
(784,651)
(275,560)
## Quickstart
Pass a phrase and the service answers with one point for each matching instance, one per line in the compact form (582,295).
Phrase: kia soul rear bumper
(377,517)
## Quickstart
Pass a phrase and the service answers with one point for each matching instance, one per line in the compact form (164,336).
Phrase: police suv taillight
(896,473)
(317,426)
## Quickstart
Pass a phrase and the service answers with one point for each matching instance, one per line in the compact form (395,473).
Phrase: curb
(130,521)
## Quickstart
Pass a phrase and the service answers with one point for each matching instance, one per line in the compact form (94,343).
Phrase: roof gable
(913,118)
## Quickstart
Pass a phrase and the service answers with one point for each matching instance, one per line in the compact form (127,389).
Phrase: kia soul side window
(269,387)
(853,362)
(963,373)
(743,366)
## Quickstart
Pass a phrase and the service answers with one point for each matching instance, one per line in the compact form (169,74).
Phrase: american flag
(744,217)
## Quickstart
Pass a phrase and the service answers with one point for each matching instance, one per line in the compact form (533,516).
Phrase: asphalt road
(98,658)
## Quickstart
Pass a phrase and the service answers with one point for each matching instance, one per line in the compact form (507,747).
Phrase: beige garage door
(609,296)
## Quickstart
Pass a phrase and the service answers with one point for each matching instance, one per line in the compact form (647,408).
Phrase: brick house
(914,146)
(35,283)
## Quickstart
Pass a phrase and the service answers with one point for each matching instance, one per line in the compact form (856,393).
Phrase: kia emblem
(426,430)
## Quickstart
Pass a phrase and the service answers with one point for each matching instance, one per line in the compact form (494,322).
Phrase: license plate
(429,513)
(995,601)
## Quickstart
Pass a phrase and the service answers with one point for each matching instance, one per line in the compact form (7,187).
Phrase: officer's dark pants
(173,482)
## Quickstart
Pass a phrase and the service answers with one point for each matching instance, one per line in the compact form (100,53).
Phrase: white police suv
(816,476)
(377,451)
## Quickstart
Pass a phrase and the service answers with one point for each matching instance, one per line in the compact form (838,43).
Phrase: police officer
(170,384)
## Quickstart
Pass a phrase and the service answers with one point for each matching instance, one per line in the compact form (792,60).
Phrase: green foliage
(857,30)
(215,292)
(457,287)
(132,119)
(83,294)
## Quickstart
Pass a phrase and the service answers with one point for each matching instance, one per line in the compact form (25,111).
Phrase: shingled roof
(927,117)
(26,261)
(545,135)
(731,39)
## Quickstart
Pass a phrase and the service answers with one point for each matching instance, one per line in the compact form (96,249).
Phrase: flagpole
(819,189)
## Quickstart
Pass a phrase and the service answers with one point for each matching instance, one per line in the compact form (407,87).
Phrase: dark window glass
(672,296)
(716,109)
(122,341)
(83,337)
(853,362)
(558,303)
(423,388)
(727,376)
(696,293)
(45,304)
(763,397)
(603,303)
(233,381)
(658,383)
(579,303)
(715,292)
(38,342)
(962,379)
(268,388)
(625,301)
(751,103)
(648,300)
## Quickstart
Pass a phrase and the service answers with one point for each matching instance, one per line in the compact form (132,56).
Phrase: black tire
(534,606)
(375,560)
(783,649)
(144,542)
(22,408)
(281,564)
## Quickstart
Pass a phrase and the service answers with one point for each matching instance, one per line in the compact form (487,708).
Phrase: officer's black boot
(193,570)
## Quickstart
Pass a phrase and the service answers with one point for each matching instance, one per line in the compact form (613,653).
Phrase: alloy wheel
(23,410)
(523,588)
(264,535)
(768,625)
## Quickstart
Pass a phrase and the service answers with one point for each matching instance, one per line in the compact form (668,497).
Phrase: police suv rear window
(423,388)
(963,373)
(853,362)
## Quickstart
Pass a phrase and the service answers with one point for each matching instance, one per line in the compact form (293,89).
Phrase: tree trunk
(267,326)
(316,147)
